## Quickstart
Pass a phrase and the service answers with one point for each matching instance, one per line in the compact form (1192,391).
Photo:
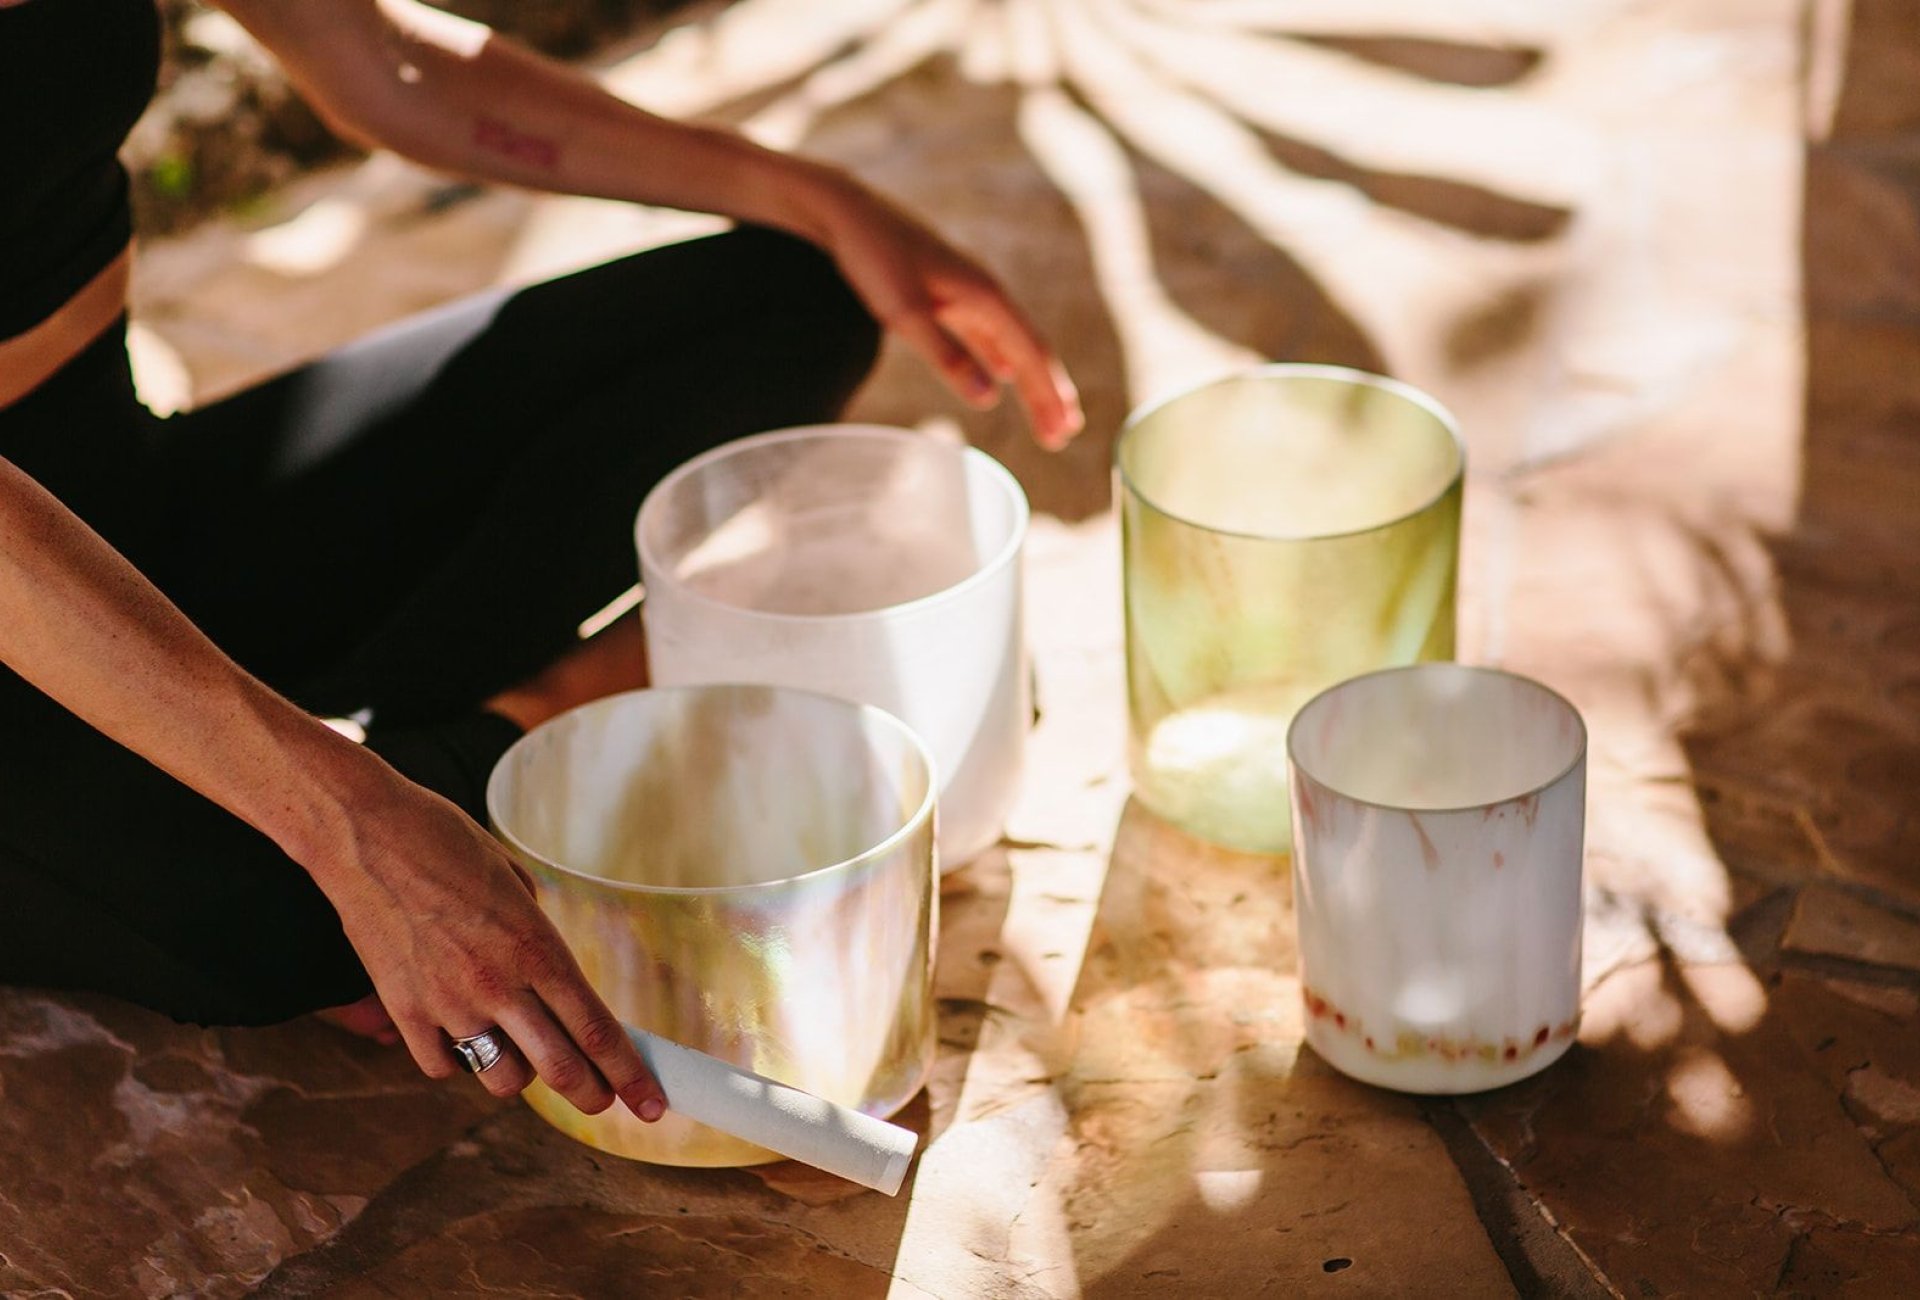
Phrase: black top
(74,77)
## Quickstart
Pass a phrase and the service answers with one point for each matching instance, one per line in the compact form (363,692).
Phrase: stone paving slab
(1663,260)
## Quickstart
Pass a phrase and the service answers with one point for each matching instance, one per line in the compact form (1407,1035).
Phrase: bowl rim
(988,570)
(925,812)
(1288,370)
(1297,768)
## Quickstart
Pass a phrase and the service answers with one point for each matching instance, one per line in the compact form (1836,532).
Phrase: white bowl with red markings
(1439,813)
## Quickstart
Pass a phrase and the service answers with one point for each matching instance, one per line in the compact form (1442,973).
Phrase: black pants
(407,526)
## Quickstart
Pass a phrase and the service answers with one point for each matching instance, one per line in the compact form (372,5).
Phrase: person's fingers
(1066,396)
(428,1049)
(952,361)
(506,1077)
(982,342)
(367,1018)
(601,1036)
(993,327)
(555,1058)
(1051,403)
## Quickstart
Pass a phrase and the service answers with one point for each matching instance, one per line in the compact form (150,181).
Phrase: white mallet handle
(796,1124)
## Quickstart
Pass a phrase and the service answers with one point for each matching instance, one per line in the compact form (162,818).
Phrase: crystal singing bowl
(864,562)
(747,871)
(1282,529)
(1438,815)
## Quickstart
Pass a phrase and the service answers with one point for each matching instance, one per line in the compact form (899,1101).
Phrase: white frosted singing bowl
(1438,821)
(864,562)
(743,870)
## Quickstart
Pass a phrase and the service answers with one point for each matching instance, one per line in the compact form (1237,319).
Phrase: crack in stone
(46,1288)
(1827,966)
(1801,1218)
(1540,1257)
(1758,929)
(824,1244)
(1786,1262)
(391,1221)
(976,1007)
(1180,1130)
(1874,896)
(62,1027)
(1049,846)
(1873,1147)
(672,1228)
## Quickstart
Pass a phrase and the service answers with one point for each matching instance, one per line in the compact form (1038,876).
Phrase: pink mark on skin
(495,136)
(1499,859)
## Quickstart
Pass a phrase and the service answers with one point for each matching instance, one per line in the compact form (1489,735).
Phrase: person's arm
(453,95)
(433,906)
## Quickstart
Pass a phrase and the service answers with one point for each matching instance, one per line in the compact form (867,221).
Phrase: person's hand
(948,308)
(447,927)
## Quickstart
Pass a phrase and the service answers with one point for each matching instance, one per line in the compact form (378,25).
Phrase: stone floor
(1663,260)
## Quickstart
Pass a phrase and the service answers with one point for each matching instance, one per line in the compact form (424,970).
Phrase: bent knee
(796,280)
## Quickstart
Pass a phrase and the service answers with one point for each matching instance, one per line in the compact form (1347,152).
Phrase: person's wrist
(810,199)
(338,786)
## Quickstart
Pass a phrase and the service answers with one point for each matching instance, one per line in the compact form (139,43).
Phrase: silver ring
(481,1052)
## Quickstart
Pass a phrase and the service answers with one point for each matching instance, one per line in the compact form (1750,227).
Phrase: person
(413,527)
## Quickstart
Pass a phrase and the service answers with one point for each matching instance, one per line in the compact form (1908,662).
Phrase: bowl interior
(710,788)
(1437,736)
(830,521)
(1292,452)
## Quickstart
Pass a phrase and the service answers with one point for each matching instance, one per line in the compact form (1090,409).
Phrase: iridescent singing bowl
(745,870)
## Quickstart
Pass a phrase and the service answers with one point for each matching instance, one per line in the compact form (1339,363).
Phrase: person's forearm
(81,624)
(454,96)
(451,94)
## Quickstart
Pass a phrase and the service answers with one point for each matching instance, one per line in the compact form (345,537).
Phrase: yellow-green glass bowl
(1282,529)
